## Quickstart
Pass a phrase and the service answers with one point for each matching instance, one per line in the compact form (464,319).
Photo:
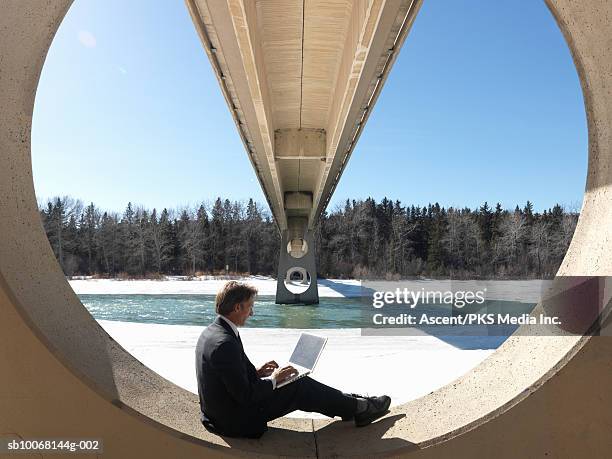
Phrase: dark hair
(231,294)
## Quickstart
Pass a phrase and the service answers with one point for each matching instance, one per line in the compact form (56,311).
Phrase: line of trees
(366,239)
(362,239)
(143,243)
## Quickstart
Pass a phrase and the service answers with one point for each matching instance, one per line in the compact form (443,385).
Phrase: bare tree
(90,222)
(563,236)
(60,211)
(189,238)
(540,244)
(513,233)
(462,238)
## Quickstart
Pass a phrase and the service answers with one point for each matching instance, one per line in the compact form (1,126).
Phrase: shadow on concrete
(327,438)
(340,439)
(274,442)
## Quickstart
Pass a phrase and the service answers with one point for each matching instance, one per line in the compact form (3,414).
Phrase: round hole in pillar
(297,279)
(297,248)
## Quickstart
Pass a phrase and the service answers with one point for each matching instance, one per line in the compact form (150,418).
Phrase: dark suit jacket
(231,393)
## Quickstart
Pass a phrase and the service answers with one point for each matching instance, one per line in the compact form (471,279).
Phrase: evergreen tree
(528,213)
(253,237)
(485,223)
(168,242)
(89,229)
(128,242)
(143,240)
(202,236)
(218,236)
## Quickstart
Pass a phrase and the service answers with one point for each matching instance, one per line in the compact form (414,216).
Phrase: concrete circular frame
(305,283)
(302,252)
(533,396)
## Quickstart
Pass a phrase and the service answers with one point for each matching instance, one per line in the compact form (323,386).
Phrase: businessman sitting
(237,400)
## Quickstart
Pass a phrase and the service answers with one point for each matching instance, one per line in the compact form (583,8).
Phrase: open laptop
(305,356)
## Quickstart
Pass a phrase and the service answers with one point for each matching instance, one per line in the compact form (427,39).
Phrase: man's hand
(266,369)
(282,374)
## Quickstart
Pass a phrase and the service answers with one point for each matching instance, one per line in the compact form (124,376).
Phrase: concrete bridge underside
(62,375)
(300,78)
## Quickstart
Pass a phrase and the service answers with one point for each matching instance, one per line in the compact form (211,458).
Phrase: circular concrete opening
(297,279)
(297,248)
(36,287)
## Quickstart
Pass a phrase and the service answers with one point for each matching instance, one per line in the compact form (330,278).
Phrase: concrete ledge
(525,397)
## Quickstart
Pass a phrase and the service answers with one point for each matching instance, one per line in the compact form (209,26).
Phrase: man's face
(245,310)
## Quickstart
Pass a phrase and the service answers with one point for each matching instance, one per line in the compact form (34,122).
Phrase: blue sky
(483,103)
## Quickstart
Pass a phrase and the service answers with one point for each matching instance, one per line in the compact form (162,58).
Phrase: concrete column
(288,263)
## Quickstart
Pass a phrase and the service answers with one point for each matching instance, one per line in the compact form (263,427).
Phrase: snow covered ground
(404,367)
(202,286)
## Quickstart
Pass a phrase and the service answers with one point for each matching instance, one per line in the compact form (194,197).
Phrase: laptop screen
(307,350)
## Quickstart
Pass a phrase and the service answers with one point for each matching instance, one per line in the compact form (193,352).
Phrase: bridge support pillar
(297,270)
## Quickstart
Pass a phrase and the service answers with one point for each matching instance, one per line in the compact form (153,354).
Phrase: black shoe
(377,407)
(350,418)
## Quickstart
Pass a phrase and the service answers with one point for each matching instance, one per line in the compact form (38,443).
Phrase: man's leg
(307,394)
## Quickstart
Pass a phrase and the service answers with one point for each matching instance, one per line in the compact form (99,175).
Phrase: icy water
(200,310)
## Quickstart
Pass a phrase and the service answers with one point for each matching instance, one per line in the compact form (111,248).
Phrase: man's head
(235,301)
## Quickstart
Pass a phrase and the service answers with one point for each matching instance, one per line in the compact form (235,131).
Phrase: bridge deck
(301,78)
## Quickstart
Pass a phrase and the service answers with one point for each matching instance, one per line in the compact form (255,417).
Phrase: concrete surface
(63,375)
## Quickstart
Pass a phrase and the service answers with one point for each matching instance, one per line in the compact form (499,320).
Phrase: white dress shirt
(231,324)
(235,330)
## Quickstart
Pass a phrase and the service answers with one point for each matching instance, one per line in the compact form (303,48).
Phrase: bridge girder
(301,78)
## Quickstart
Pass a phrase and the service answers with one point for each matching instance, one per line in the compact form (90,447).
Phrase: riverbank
(527,291)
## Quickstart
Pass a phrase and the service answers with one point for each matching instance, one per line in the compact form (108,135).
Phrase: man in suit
(237,399)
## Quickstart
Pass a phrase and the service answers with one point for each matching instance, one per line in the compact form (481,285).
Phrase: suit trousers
(307,394)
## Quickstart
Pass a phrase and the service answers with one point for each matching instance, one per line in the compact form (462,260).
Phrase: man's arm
(227,360)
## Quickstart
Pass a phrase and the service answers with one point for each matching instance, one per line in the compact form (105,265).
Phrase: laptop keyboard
(295,378)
